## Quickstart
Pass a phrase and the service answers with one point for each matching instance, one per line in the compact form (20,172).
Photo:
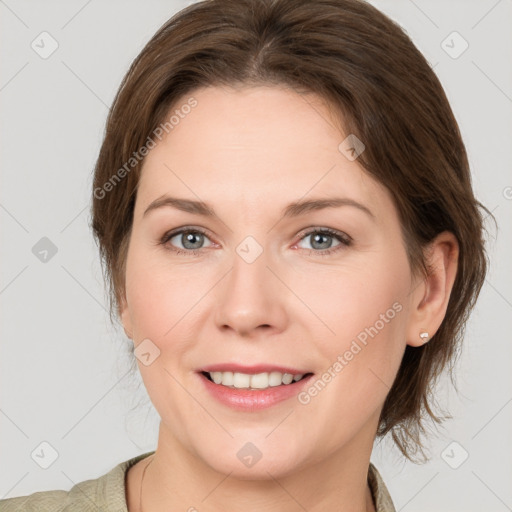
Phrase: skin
(249,152)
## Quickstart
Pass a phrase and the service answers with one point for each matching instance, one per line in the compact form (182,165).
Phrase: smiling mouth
(258,381)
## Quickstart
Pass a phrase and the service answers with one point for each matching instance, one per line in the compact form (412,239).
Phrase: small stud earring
(424,336)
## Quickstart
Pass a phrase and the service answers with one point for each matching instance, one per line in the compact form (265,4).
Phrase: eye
(187,241)
(190,241)
(321,241)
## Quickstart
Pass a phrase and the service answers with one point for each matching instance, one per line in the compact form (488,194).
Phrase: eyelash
(345,241)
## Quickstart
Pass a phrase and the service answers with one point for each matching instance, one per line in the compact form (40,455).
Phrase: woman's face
(251,290)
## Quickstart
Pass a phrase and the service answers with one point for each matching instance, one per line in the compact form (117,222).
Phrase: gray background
(63,367)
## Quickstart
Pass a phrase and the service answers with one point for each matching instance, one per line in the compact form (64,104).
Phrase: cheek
(159,295)
(160,302)
(364,308)
(359,299)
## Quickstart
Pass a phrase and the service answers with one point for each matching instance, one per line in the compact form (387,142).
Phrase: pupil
(189,238)
(317,236)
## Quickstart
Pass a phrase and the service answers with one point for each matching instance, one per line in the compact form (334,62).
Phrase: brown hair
(367,69)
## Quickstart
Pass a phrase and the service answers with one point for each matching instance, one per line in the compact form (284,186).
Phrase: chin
(266,468)
(258,460)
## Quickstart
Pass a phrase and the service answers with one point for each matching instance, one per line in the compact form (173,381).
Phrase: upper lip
(252,369)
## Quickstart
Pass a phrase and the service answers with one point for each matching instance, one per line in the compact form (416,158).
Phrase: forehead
(255,146)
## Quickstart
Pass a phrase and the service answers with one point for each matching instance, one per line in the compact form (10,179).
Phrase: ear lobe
(430,300)
(124,314)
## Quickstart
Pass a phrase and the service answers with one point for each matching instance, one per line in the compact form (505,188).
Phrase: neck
(176,479)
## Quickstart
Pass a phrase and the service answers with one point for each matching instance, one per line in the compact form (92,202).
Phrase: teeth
(241,380)
(275,379)
(227,378)
(216,377)
(256,381)
(287,378)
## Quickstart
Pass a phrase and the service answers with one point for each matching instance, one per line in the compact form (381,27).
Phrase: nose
(251,299)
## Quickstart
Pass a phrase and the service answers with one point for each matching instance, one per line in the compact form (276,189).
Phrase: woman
(284,209)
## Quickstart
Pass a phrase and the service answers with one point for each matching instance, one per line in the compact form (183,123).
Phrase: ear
(430,296)
(124,314)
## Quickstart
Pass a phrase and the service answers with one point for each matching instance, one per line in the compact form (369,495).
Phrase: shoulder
(38,501)
(106,492)
(380,494)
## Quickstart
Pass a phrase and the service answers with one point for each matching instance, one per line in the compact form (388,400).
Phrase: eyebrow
(292,210)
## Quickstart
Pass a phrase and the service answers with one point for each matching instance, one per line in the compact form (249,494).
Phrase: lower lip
(253,399)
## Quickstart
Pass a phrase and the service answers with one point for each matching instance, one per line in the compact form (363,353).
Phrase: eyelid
(330,231)
(184,229)
(344,239)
